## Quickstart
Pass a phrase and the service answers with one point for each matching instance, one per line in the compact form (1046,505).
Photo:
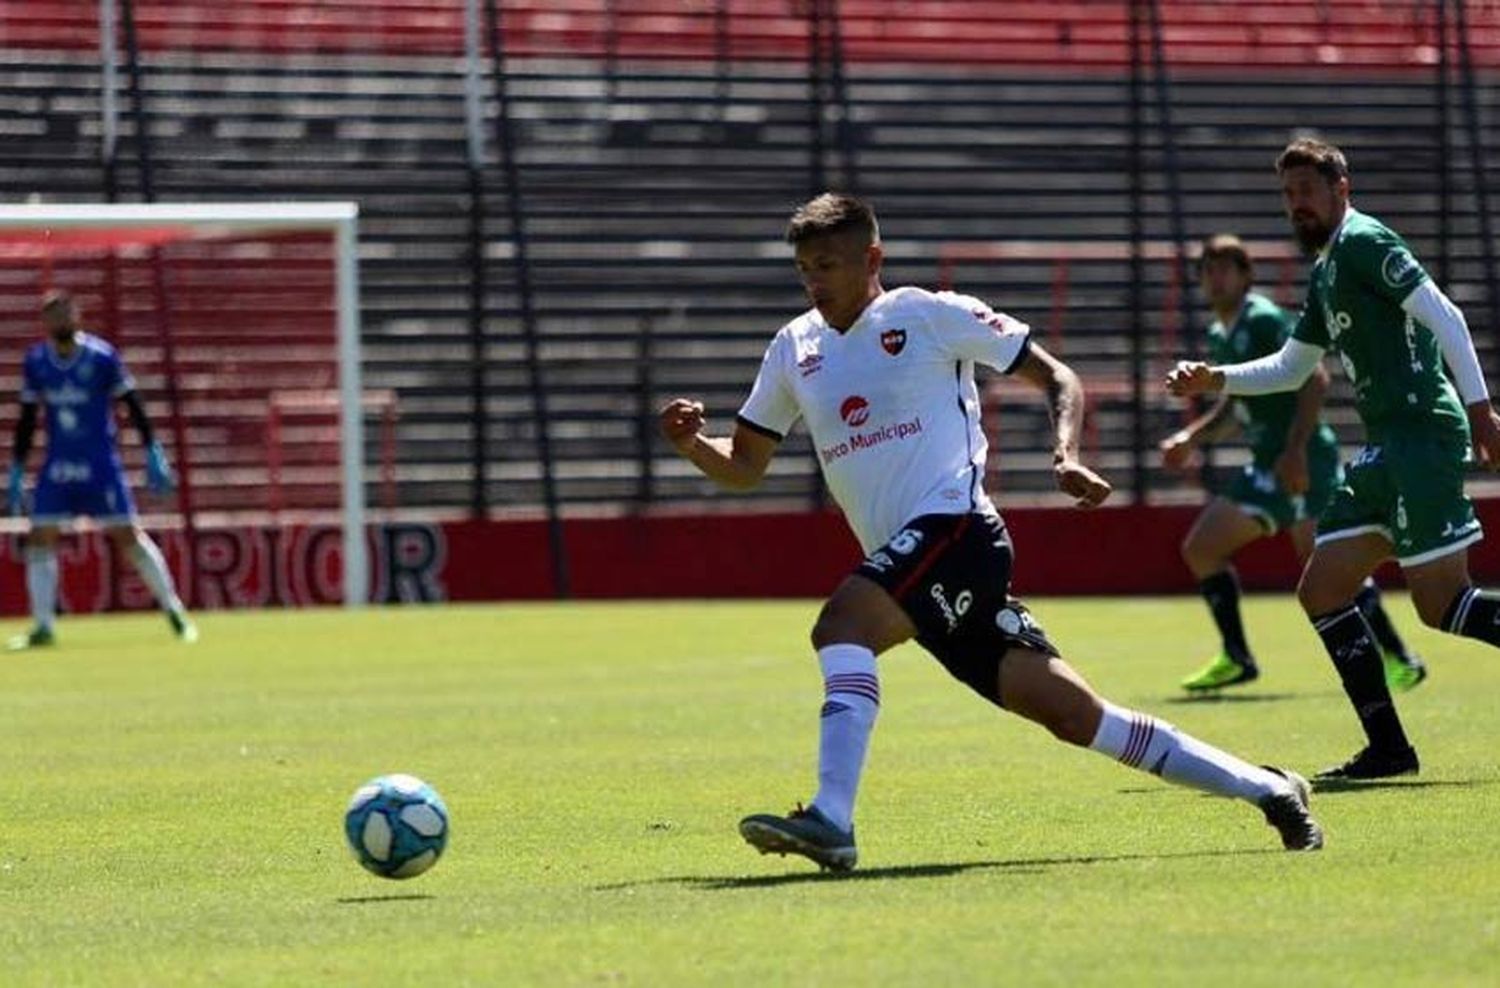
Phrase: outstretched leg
(1046,690)
(133,542)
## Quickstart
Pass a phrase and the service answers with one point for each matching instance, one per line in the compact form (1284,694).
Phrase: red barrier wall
(1059,551)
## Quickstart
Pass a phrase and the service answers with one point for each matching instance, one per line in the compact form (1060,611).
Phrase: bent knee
(1199,558)
(1432,610)
(836,623)
(1317,598)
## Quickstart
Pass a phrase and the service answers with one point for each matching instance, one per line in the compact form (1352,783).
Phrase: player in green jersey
(1370,301)
(1292,473)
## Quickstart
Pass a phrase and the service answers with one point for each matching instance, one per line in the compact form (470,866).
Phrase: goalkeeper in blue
(77,377)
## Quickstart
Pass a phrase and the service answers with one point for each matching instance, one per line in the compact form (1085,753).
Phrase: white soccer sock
(41,583)
(1143,742)
(152,566)
(851,699)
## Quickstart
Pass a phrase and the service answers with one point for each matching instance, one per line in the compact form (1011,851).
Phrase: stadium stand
(660,145)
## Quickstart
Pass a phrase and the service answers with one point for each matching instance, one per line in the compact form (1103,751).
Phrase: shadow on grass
(1324,787)
(1329,787)
(1219,696)
(359,900)
(1018,866)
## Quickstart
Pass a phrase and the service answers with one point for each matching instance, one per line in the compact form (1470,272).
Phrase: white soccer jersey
(890,403)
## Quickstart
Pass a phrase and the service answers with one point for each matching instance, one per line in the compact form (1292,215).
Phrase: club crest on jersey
(810,364)
(1399,268)
(855,411)
(894,341)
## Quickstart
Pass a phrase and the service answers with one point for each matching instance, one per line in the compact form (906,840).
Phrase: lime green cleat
(1222,671)
(1403,673)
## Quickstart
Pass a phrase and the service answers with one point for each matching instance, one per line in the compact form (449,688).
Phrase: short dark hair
(1226,245)
(830,214)
(1327,159)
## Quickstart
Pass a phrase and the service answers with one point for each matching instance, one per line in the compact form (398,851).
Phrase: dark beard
(1311,239)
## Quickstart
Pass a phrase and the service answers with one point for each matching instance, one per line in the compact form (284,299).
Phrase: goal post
(311,246)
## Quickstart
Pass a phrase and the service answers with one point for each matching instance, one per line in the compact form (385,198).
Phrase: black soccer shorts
(951,574)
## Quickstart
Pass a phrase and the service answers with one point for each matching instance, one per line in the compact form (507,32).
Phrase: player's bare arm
(1291,465)
(1484,433)
(1211,426)
(1064,394)
(735,463)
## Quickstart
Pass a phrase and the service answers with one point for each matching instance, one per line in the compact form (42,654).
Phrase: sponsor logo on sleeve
(998,321)
(1399,268)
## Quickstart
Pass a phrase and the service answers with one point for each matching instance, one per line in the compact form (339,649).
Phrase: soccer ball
(397,826)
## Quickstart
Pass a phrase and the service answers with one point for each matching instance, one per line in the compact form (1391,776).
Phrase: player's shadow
(1211,696)
(1330,787)
(360,900)
(1016,866)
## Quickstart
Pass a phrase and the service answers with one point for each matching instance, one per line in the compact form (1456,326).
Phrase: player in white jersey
(885,384)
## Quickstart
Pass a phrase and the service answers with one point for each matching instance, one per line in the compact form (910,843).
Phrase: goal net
(240,324)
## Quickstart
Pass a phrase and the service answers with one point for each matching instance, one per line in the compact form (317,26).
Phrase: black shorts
(951,574)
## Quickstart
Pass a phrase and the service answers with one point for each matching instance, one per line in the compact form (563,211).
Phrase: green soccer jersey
(1354,298)
(1260,329)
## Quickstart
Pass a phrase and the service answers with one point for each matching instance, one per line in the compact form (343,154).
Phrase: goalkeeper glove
(159,475)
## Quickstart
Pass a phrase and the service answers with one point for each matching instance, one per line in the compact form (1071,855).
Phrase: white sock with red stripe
(851,699)
(1154,746)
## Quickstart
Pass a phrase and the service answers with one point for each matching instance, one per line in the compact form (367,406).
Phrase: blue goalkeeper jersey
(79,393)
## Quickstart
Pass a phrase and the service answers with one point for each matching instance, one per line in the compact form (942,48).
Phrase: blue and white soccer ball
(397,826)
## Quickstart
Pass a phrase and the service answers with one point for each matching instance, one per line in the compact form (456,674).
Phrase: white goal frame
(340,219)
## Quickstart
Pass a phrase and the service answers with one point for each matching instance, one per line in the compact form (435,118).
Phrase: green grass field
(174,813)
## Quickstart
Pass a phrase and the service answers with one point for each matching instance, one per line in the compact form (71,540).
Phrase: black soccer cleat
(1288,812)
(1372,763)
(803,831)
